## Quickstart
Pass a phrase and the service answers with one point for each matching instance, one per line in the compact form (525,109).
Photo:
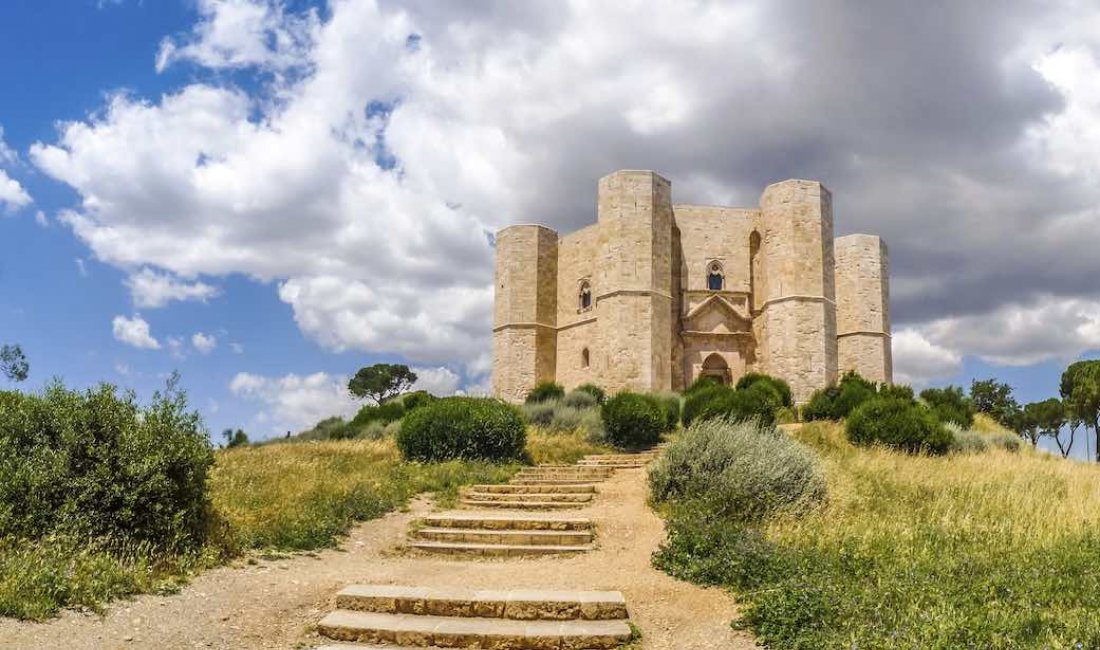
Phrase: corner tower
(633,282)
(524,310)
(863,307)
(797,302)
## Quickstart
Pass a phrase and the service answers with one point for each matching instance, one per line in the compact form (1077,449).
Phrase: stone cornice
(884,335)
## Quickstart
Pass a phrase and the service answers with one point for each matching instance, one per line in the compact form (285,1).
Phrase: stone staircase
(501,535)
(501,521)
(413,617)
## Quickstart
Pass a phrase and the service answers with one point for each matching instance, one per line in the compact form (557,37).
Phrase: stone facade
(654,295)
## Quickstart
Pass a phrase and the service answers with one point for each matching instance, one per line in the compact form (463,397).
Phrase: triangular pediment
(716,315)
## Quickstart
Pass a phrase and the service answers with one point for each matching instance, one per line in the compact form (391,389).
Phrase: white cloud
(437,381)
(203,343)
(81,268)
(918,361)
(237,348)
(150,289)
(12,194)
(243,33)
(41,220)
(134,331)
(175,348)
(295,402)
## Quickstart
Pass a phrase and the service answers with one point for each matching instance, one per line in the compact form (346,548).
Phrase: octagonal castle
(654,295)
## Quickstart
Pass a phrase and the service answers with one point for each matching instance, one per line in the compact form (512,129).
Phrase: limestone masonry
(654,295)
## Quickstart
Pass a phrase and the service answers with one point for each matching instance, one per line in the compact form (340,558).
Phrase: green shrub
(670,402)
(416,399)
(757,402)
(897,391)
(702,383)
(470,428)
(594,391)
(378,430)
(898,424)
(696,401)
(540,414)
(1005,440)
(786,415)
(821,405)
(950,404)
(965,441)
(782,388)
(744,471)
(558,416)
(544,391)
(581,399)
(94,464)
(633,421)
(715,551)
(385,413)
(837,402)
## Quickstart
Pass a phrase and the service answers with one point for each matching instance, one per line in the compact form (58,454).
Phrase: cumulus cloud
(377,145)
(12,194)
(294,402)
(918,361)
(203,343)
(150,289)
(134,331)
(437,381)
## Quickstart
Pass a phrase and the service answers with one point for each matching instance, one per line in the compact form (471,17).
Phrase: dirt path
(274,604)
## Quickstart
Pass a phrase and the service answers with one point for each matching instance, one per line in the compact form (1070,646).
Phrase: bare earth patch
(275,603)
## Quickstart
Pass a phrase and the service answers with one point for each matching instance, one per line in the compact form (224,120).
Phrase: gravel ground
(275,603)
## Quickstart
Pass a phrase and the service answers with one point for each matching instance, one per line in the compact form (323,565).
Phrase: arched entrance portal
(715,366)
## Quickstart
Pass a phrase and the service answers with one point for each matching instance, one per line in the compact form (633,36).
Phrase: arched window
(584,297)
(585,359)
(716,280)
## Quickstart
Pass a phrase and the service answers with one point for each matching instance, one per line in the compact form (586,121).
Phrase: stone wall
(863,307)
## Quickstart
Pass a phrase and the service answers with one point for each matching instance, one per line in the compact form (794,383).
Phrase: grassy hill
(996,549)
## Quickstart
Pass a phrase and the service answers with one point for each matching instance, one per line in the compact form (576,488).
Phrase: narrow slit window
(585,359)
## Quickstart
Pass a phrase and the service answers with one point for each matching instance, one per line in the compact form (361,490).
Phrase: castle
(654,295)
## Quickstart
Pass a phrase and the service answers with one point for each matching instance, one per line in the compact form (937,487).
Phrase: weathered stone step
(496,550)
(454,632)
(564,497)
(508,537)
(519,488)
(505,522)
(521,505)
(602,474)
(518,604)
(645,454)
(568,469)
(612,463)
(555,481)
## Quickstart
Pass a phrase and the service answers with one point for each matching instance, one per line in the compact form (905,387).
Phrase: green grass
(267,499)
(991,550)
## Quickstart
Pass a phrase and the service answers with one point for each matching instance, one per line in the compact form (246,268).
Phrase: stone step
(563,497)
(567,469)
(518,604)
(583,474)
(560,480)
(454,632)
(645,454)
(486,521)
(521,505)
(519,488)
(496,550)
(613,463)
(508,537)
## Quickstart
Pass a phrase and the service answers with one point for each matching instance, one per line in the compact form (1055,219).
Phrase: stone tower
(655,295)
(863,307)
(798,310)
(633,280)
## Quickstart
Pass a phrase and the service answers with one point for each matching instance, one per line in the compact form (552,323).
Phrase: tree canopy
(1080,390)
(13,363)
(381,381)
(995,399)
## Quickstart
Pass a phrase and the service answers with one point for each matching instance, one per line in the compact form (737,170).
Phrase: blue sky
(230,159)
